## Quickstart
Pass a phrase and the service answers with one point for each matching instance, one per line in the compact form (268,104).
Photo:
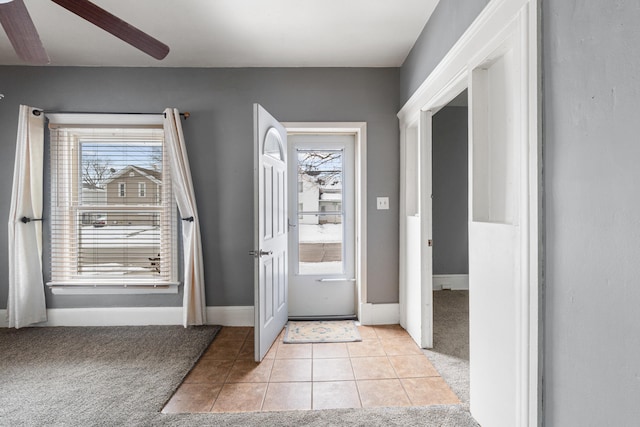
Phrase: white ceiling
(236,33)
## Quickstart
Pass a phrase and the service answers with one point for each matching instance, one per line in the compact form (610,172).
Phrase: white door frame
(499,21)
(359,130)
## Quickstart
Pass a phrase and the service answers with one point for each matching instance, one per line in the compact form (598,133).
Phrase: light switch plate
(382,203)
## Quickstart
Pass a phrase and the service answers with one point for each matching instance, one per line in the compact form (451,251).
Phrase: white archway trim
(499,21)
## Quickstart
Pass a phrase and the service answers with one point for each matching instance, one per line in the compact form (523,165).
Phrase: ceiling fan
(25,40)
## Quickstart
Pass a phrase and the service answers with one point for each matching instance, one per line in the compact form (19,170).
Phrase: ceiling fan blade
(22,34)
(116,26)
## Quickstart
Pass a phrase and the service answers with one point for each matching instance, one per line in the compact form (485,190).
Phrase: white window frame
(69,284)
(122,189)
(142,189)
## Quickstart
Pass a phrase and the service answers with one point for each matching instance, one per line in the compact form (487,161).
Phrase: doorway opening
(450,195)
(321,226)
(496,59)
(327,220)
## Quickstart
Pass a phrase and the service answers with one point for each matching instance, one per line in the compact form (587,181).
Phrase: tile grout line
(219,391)
(355,380)
(398,377)
(223,383)
(264,397)
(266,389)
(403,387)
(395,371)
(276,343)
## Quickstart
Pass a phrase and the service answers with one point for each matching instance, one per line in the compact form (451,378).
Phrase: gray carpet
(123,376)
(93,376)
(450,352)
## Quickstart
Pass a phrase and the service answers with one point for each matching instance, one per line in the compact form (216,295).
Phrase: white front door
(270,249)
(321,226)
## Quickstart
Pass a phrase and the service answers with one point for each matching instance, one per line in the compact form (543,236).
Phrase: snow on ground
(139,243)
(114,269)
(116,236)
(320,233)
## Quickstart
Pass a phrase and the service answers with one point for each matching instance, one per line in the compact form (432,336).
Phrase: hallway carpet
(450,352)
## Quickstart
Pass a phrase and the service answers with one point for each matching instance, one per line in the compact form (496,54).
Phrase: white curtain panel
(194,304)
(26,304)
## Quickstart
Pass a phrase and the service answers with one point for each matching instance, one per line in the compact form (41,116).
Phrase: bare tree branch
(95,172)
(324,166)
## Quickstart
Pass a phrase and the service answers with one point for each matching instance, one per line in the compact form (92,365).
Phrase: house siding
(131,181)
(132,194)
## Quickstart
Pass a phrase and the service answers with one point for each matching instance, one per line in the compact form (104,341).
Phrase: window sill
(107,288)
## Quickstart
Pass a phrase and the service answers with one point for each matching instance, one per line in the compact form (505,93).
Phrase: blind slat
(112,210)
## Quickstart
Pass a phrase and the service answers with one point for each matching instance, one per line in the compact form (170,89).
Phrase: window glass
(320,218)
(112,209)
(273,145)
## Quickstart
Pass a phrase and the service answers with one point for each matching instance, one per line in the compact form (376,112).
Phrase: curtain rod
(186,114)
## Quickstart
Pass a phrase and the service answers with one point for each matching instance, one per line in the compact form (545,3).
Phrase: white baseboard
(370,314)
(379,314)
(113,316)
(138,316)
(455,282)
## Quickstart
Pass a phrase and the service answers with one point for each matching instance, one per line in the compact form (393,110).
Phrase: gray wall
(591,125)
(591,100)
(450,194)
(219,139)
(449,21)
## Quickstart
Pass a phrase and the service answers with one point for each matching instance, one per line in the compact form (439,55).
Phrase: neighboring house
(308,198)
(330,201)
(133,185)
(317,196)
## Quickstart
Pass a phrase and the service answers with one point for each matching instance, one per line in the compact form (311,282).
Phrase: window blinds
(112,211)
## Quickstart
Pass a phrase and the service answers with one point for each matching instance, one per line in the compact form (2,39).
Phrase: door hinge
(430,243)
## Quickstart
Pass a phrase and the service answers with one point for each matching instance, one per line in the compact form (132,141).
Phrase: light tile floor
(385,369)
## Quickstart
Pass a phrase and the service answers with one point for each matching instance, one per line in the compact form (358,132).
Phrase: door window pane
(320,216)
(320,245)
(273,145)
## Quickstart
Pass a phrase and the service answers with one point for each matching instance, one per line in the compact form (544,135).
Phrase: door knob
(260,253)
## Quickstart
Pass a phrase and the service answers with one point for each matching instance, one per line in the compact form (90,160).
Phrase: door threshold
(333,317)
